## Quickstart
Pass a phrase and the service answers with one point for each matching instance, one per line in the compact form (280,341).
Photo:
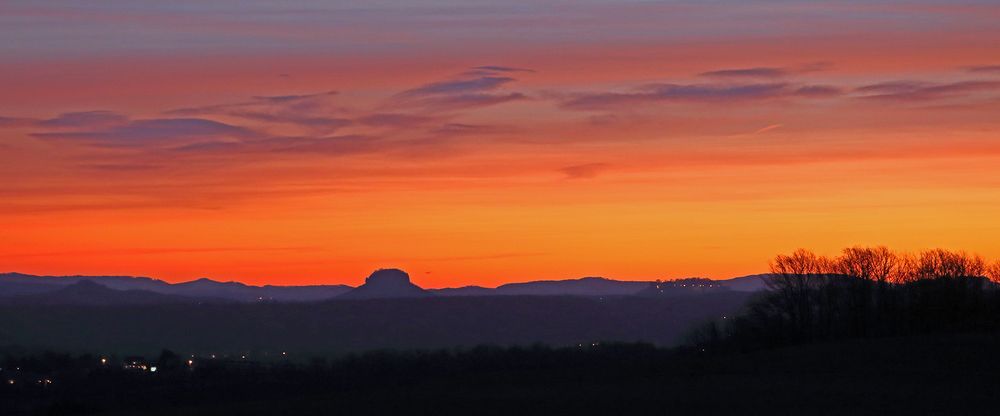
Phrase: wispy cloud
(81,119)
(462,129)
(818,91)
(17,121)
(499,68)
(584,171)
(479,88)
(916,91)
(394,120)
(661,93)
(84,119)
(462,86)
(488,70)
(758,72)
(140,132)
(310,111)
(284,99)
(329,146)
(989,69)
(768,128)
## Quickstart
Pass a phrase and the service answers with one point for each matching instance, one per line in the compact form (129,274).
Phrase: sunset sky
(483,142)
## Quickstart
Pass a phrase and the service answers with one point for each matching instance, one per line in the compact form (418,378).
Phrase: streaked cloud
(462,129)
(310,111)
(84,119)
(461,86)
(16,121)
(80,119)
(706,93)
(768,128)
(480,88)
(138,132)
(500,68)
(293,98)
(990,69)
(917,91)
(332,145)
(394,120)
(758,72)
(584,171)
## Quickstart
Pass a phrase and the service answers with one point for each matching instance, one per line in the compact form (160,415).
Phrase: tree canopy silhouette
(865,292)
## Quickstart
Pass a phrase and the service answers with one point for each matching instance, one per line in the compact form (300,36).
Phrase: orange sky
(487,143)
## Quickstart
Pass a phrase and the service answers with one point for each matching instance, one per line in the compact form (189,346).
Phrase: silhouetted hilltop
(751,283)
(587,286)
(238,291)
(386,284)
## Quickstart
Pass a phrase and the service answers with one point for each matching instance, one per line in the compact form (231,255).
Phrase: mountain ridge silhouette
(19,284)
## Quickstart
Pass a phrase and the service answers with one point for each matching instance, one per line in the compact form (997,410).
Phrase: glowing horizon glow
(484,143)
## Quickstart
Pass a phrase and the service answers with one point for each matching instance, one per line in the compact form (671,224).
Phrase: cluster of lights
(190,362)
(142,366)
(685,285)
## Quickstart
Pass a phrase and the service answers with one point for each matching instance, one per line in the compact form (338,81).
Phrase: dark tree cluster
(864,292)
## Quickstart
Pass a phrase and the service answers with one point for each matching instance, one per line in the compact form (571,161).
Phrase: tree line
(864,292)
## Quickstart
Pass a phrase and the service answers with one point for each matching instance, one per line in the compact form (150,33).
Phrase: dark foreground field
(343,326)
(953,374)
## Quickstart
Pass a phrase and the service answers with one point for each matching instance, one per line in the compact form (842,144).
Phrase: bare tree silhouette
(869,291)
(879,264)
(994,272)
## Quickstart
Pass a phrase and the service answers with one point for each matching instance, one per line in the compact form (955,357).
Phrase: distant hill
(464,291)
(587,286)
(14,288)
(389,283)
(388,311)
(87,292)
(600,286)
(751,283)
(683,287)
(246,293)
(386,284)
(111,282)
(14,284)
